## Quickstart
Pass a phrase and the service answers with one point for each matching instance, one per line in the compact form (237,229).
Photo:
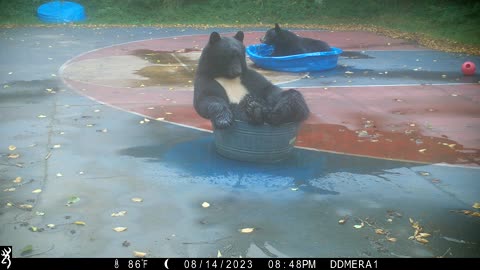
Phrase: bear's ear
(214,37)
(239,36)
(277,27)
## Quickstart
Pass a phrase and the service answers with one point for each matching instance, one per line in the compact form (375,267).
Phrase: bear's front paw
(254,109)
(223,120)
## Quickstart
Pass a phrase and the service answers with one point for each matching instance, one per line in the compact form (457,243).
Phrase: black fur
(288,43)
(265,102)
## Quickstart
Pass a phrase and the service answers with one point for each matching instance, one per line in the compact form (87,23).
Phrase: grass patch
(455,21)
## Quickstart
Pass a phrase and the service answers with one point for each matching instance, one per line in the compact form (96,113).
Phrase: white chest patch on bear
(234,88)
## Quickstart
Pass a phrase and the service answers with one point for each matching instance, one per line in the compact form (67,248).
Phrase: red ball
(468,68)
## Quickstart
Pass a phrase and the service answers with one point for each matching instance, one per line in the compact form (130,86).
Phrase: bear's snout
(234,72)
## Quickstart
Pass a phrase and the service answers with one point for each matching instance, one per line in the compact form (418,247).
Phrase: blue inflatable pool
(317,61)
(61,12)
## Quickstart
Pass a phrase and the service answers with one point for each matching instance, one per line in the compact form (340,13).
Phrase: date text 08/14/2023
(277,263)
(249,264)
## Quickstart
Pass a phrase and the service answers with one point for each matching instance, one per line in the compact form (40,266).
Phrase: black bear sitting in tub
(288,43)
(226,89)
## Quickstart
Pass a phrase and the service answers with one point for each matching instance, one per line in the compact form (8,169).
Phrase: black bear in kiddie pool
(225,89)
(288,43)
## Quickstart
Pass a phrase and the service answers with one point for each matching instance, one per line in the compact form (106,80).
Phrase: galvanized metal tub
(256,143)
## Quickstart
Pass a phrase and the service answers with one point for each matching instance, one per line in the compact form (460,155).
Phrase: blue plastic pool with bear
(316,61)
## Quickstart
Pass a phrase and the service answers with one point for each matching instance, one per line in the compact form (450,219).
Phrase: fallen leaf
(51,226)
(476,205)
(119,214)
(380,231)
(25,206)
(38,213)
(137,200)
(72,200)
(41,116)
(168,113)
(139,254)
(247,230)
(17,180)
(9,204)
(12,147)
(342,221)
(471,213)
(120,229)
(146,120)
(421,240)
(205,205)
(422,150)
(219,254)
(13,156)
(80,223)
(57,146)
(9,189)
(26,250)
(33,229)
(392,239)
(59,175)
(424,173)
(359,226)
(37,191)
(423,235)
(363,134)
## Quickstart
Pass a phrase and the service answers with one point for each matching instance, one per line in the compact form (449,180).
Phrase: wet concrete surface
(71,146)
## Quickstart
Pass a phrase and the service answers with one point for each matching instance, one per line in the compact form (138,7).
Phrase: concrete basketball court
(99,116)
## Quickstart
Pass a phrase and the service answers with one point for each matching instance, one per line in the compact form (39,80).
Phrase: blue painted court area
(314,204)
(371,68)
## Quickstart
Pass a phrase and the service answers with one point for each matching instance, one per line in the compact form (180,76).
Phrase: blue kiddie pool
(61,12)
(316,61)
